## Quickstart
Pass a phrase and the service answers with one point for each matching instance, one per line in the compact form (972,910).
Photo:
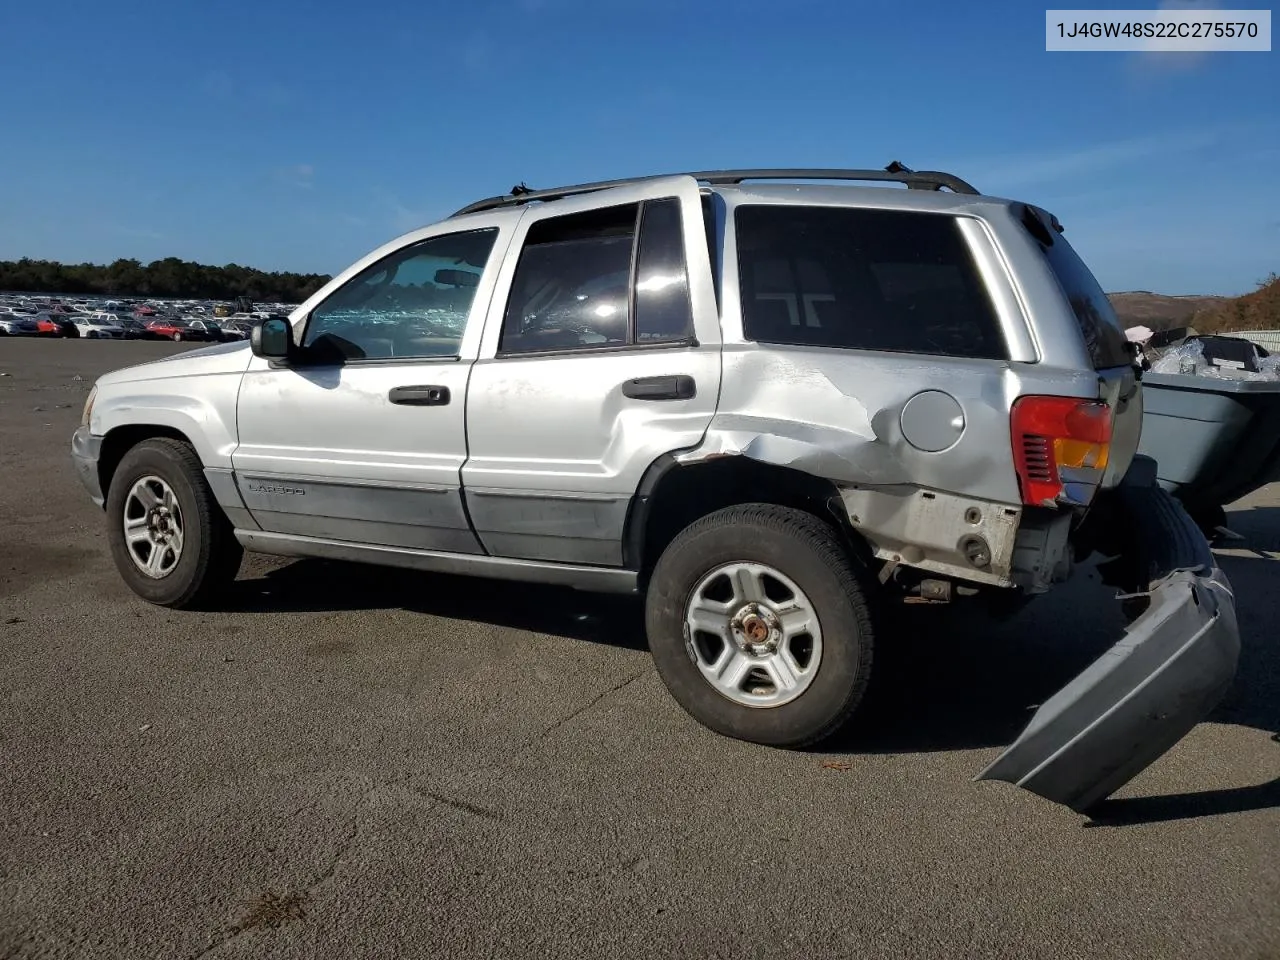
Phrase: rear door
(601,353)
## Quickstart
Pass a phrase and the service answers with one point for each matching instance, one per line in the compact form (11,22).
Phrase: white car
(100,326)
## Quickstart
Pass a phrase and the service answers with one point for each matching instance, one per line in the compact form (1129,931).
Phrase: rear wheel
(169,539)
(177,337)
(1208,517)
(759,626)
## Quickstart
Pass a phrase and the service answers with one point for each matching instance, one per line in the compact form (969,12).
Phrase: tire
(1208,517)
(805,551)
(210,555)
(177,337)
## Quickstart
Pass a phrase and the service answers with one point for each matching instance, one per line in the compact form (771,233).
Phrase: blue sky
(291,135)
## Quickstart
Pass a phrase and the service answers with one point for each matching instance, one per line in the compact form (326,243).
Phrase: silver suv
(774,407)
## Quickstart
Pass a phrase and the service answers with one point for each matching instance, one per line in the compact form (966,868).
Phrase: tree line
(169,277)
(1259,310)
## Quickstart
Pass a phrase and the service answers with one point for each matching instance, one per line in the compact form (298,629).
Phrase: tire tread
(804,531)
(219,555)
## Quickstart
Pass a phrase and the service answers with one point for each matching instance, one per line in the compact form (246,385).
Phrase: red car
(178,330)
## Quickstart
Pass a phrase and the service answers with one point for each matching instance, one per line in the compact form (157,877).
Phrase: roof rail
(894,173)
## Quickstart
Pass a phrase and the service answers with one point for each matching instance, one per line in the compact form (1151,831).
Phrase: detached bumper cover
(85,448)
(1147,692)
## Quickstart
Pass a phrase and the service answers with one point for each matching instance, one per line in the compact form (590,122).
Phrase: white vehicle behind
(100,326)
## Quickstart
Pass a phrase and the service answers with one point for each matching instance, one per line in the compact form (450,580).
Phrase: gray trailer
(1214,439)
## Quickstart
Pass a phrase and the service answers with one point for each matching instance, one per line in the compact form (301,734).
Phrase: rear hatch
(1104,338)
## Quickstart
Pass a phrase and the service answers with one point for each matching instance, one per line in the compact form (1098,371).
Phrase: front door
(362,439)
(601,352)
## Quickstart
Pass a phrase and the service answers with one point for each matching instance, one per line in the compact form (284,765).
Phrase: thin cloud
(276,95)
(1151,63)
(403,217)
(478,55)
(217,83)
(254,91)
(301,175)
(1056,166)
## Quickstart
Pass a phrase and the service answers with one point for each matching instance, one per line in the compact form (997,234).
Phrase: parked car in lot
(240,329)
(171,329)
(216,330)
(773,409)
(99,326)
(56,324)
(136,329)
(18,325)
(46,326)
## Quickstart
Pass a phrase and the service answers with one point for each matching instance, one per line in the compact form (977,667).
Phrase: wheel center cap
(756,630)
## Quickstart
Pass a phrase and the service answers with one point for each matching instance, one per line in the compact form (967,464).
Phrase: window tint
(1103,333)
(662,280)
(709,227)
(414,303)
(581,280)
(864,279)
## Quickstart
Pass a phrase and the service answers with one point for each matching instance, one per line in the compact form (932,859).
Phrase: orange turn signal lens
(1081,453)
(1052,433)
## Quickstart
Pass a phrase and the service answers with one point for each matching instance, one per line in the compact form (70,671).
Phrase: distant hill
(1158,311)
(1259,310)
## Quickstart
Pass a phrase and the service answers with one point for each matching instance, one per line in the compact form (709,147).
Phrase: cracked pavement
(351,761)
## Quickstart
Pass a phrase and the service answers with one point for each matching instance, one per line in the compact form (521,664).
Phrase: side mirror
(272,339)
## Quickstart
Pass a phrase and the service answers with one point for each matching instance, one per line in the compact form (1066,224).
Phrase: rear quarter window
(1103,333)
(885,280)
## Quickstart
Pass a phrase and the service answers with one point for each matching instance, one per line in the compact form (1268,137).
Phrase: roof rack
(894,173)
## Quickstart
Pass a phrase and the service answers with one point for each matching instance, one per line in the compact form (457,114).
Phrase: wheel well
(121,440)
(683,494)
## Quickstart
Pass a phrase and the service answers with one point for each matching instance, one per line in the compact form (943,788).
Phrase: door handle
(428,395)
(677,387)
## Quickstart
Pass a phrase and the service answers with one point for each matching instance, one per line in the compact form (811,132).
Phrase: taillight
(1060,447)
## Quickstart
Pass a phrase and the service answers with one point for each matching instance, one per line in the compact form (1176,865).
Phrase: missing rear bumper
(1172,667)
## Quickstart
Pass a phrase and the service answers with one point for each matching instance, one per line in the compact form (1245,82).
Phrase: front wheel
(759,625)
(177,337)
(170,541)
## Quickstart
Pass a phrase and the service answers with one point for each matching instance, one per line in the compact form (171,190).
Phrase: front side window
(612,277)
(412,304)
(885,280)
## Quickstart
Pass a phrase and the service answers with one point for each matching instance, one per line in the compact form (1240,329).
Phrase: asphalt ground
(354,762)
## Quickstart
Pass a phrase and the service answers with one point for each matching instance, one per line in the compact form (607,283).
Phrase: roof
(917,181)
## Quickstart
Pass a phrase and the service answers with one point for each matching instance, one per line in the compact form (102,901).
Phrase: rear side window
(888,280)
(613,277)
(1103,333)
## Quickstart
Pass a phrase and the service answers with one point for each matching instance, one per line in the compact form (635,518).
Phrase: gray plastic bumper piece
(1146,693)
(85,449)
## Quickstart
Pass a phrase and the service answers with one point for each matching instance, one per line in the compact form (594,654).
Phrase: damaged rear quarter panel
(837,414)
